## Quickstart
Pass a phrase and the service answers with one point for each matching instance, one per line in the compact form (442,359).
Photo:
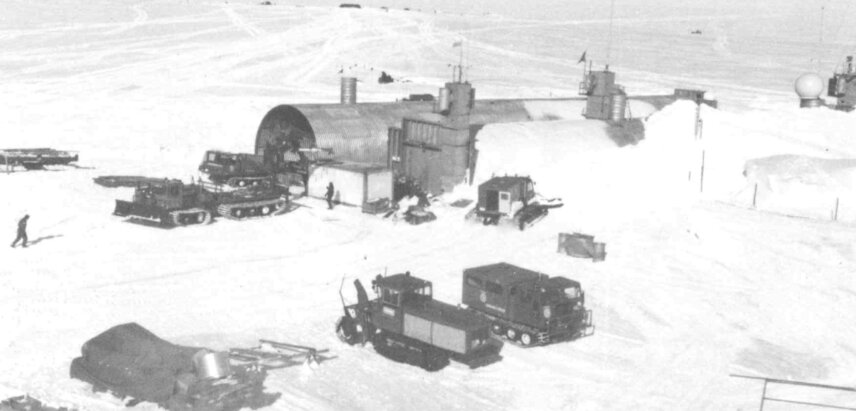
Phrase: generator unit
(174,203)
(405,323)
(512,199)
(527,307)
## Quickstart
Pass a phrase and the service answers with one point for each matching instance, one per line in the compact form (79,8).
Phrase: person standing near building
(329,196)
(22,231)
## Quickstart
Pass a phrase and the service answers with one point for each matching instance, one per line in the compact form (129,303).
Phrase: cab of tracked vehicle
(170,194)
(219,161)
(561,297)
(396,293)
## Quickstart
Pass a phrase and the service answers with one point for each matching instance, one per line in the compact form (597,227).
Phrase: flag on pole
(582,58)
(457,43)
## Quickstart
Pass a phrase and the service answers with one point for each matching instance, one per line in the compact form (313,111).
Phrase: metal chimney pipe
(349,90)
(443,100)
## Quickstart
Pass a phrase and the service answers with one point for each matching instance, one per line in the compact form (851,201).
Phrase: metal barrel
(211,365)
(619,105)
(349,90)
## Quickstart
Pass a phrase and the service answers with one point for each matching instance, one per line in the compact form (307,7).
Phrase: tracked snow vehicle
(243,170)
(527,307)
(510,199)
(235,169)
(174,203)
(404,323)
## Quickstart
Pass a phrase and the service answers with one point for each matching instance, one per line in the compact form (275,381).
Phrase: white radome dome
(809,86)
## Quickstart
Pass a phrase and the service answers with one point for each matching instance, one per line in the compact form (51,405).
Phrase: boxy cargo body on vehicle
(504,195)
(526,302)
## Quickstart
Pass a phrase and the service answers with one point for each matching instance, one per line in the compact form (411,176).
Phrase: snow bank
(600,183)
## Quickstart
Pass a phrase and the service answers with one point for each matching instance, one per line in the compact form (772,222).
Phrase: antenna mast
(609,41)
(820,47)
(461,61)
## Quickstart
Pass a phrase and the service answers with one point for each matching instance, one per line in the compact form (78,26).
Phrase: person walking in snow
(22,231)
(329,195)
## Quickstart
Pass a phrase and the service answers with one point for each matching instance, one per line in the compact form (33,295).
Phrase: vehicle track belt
(173,216)
(225,210)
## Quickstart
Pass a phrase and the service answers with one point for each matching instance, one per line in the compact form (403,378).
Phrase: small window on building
(212,157)
(504,196)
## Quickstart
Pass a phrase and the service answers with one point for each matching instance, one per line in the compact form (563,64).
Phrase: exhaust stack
(349,90)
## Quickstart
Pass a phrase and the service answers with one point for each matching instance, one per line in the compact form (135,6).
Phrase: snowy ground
(695,285)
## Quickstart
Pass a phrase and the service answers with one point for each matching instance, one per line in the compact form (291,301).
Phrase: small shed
(353,183)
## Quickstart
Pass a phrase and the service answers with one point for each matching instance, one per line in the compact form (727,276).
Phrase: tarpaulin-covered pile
(130,361)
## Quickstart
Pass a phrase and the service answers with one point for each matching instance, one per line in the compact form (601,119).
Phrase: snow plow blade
(123,208)
(131,209)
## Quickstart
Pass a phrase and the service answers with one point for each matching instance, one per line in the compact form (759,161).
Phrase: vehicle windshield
(572,292)
(419,294)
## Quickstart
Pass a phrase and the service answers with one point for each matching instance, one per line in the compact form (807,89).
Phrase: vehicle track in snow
(140,18)
(240,22)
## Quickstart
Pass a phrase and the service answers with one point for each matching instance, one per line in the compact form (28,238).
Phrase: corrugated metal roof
(359,132)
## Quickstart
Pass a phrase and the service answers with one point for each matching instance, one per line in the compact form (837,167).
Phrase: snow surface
(696,285)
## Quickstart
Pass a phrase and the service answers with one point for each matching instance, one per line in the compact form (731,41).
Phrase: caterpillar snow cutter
(510,199)
(404,323)
(526,307)
(174,203)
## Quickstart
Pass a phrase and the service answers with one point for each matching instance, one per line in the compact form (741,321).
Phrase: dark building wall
(436,153)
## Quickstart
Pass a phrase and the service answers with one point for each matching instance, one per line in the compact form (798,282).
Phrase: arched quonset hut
(360,132)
